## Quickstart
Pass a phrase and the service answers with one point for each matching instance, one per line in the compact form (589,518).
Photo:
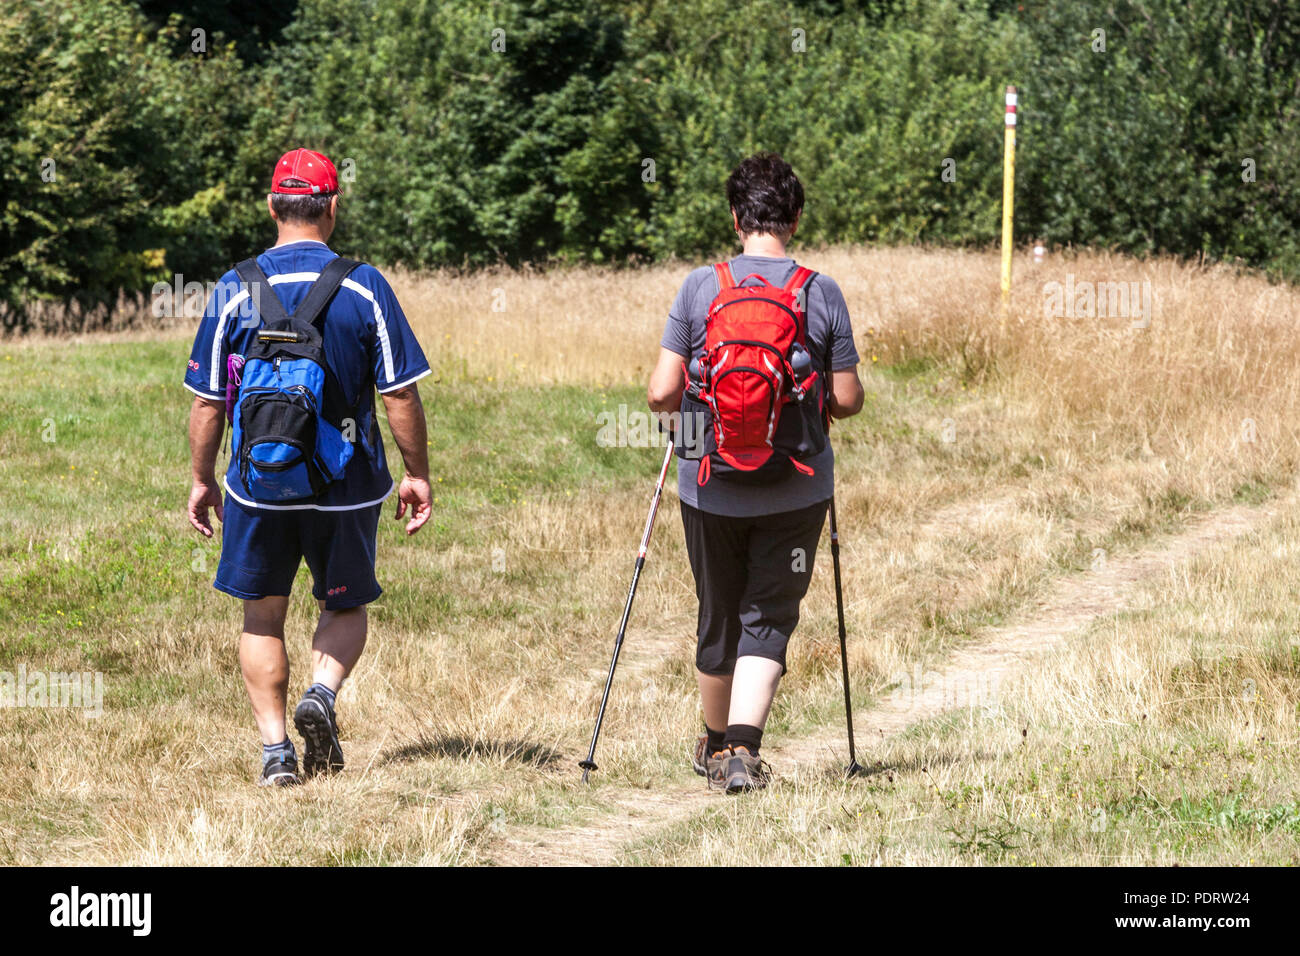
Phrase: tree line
(136,138)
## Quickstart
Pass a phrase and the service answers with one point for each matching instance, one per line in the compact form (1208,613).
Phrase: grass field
(994,460)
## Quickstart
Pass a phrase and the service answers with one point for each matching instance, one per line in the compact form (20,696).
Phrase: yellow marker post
(1008,197)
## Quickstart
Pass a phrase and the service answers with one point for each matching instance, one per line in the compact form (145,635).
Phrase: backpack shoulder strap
(798,287)
(311,310)
(322,290)
(265,301)
(800,280)
(726,280)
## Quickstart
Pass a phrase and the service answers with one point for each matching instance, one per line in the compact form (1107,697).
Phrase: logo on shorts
(338,590)
(194,366)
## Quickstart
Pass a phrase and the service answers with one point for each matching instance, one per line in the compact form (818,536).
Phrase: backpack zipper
(753,343)
(756,298)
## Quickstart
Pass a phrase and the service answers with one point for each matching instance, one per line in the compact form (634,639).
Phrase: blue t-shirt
(367,341)
(830,341)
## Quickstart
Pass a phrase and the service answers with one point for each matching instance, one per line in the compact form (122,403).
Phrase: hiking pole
(853,767)
(589,764)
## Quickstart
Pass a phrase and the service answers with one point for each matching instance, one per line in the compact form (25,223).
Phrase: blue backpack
(290,413)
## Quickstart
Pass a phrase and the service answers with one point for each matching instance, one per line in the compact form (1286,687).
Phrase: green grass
(93,533)
(479,685)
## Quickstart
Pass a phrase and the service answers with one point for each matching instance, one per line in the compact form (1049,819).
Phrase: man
(745,541)
(366,344)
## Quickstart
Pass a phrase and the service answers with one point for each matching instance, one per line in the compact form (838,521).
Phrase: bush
(114,174)
(535,130)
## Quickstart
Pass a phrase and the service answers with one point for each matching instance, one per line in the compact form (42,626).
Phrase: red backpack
(754,367)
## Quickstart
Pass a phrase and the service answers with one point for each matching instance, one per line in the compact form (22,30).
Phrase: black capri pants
(750,576)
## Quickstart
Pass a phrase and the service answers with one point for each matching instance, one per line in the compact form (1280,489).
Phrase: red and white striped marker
(1011,106)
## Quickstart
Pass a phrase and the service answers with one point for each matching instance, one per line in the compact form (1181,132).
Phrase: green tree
(113,152)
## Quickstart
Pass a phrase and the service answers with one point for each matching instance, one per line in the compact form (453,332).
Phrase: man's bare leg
(265,665)
(337,645)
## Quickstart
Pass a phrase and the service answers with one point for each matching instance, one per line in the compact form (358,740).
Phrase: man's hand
(205,495)
(207,419)
(415,493)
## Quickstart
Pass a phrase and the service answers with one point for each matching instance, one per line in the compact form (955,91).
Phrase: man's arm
(406,421)
(206,424)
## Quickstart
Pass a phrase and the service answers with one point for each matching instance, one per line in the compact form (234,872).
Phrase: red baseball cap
(306,166)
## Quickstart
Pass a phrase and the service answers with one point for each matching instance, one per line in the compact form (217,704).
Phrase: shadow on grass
(914,764)
(460,748)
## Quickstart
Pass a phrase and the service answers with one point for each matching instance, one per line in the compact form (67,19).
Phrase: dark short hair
(765,194)
(303,208)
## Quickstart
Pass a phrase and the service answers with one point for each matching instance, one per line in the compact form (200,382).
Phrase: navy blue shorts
(261,551)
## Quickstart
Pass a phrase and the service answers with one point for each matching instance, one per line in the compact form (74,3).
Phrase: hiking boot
(279,772)
(314,719)
(743,771)
(708,766)
(700,755)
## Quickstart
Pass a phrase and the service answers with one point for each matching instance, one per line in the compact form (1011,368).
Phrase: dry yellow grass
(990,462)
(1163,734)
(1209,385)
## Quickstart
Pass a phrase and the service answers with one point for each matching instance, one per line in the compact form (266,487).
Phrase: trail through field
(627,814)
(1068,609)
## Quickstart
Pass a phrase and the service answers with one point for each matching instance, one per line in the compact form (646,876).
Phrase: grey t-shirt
(829,334)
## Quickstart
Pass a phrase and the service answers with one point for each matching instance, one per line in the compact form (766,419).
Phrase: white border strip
(214,367)
(293,277)
(265,507)
(415,378)
(381,327)
(214,398)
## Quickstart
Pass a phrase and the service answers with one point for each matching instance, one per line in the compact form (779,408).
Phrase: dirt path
(981,666)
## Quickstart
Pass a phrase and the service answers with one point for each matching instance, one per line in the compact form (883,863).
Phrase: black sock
(744,735)
(717,739)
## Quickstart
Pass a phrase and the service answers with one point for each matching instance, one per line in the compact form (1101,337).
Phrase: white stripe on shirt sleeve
(413,378)
(214,369)
(381,327)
